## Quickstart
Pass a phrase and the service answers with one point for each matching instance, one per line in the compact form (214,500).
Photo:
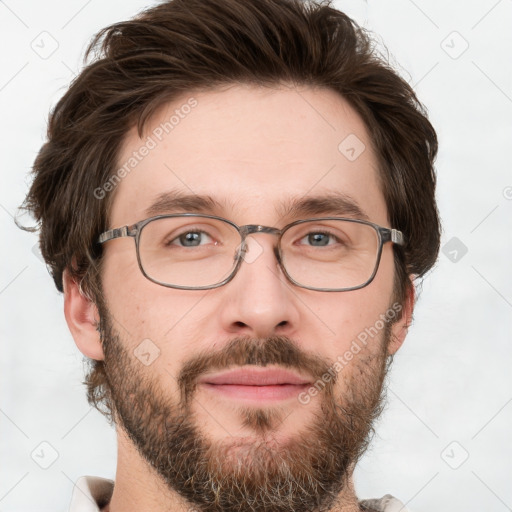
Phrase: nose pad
(251,250)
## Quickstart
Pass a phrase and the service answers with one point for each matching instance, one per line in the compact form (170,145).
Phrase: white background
(450,394)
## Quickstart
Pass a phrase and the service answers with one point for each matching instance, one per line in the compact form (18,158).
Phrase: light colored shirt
(92,493)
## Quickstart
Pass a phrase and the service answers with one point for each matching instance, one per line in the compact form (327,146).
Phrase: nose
(259,301)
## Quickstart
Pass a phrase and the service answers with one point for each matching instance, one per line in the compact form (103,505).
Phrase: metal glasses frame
(384,235)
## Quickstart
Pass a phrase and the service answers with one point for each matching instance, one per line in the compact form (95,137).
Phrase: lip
(256,377)
(255,385)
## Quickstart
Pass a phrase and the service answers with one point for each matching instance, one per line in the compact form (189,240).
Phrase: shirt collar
(385,504)
(91,493)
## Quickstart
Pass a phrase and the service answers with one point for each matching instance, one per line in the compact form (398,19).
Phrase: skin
(253,146)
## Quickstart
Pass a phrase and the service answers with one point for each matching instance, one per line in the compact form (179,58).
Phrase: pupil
(317,237)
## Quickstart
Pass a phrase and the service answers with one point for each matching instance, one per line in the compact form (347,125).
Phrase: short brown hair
(182,46)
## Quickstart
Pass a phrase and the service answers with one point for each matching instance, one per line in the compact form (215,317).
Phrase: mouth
(256,384)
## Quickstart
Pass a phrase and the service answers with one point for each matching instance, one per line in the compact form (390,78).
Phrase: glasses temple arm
(392,235)
(116,233)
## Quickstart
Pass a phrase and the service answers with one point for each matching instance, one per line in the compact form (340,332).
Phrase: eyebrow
(331,203)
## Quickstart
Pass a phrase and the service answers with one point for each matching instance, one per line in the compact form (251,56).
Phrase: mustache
(242,351)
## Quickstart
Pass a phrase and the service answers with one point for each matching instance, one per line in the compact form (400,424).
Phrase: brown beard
(258,473)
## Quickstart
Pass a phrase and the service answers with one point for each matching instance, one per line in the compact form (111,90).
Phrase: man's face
(252,150)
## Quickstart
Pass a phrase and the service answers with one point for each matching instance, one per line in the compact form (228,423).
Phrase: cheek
(345,316)
(144,310)
(375,299)
(130,297)
(349,316)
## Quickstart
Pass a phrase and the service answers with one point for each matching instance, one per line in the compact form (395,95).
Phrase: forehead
(250,153)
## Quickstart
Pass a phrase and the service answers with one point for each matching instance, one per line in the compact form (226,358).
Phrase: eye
(189,239)
(320,238)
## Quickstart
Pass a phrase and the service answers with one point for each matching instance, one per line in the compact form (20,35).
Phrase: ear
(400,328)
(82,318)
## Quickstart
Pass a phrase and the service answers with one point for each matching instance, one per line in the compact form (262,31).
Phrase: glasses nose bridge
(250,229)
(258,228)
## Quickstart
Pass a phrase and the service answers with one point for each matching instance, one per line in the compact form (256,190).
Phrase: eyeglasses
(192,251)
